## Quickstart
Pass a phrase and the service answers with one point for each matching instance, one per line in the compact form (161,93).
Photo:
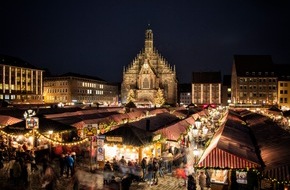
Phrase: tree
(131,96)
(159,98)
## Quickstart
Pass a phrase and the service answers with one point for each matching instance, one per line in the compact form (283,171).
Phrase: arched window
(146,83)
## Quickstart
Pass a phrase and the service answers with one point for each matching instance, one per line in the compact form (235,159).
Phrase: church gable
(148,72)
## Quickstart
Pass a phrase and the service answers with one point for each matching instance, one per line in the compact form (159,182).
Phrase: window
(145,83)
(285,91)
(281,84)
(281,100)
(285,100)
(281,91)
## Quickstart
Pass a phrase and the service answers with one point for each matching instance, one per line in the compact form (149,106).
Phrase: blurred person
(155,171)
(69,165)
(33,161)
(123,161)
(62,164)
(49,178)
(144,168)
(149,175)
(114,185)
(15,172)
(202,180)
(107,172)
(191,183)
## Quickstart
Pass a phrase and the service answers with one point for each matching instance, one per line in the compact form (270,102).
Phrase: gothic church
(148,73)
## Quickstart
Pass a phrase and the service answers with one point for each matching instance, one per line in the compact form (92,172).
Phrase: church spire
(148,40)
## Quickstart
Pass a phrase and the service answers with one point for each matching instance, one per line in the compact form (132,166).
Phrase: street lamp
(50,133)
(196,154)
(197,123)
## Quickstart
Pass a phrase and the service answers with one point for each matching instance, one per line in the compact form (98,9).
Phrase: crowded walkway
(50,175)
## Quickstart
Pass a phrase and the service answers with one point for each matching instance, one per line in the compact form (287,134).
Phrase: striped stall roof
(281,173)
(223,159)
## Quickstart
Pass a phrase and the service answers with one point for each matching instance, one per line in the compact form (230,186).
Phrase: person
(123,161)
(126,182)
(150,171)
(75,180)
(155,171)
(49,178)
(15,172)
(114,185)
(69,165)
(62,164)
(202,180)
(161,167)
(208,183)
(74,156)
(144,167)
(107,172)
(170,161)
(191,184)
(33,161)
(24,174)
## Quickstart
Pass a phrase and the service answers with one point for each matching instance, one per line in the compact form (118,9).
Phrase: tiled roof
(206,77)
(253,63)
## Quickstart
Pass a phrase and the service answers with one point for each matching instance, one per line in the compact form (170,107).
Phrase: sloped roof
(8,120)
(156,122)
(15,61)
(45,125)
(231,147)
(274,143)
(131,135)
(253,63)
(172,132)
(206,77)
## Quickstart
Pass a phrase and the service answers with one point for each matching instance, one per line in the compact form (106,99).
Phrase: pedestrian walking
(155,171)
(69,165)
(49,178)
(191,183)
(202,180)
(144,168)
(62,164)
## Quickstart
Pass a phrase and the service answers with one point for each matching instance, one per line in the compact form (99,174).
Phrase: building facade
(72,88)
(21,82)
(149,72)
(226,90)
(206,88)
(254,80)
(184,93)
(283,92)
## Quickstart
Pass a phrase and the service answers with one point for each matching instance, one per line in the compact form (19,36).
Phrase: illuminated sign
(90,130)
(32,123)
(241,177)
(114,139)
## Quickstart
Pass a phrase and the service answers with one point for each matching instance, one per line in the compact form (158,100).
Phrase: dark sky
(100,37)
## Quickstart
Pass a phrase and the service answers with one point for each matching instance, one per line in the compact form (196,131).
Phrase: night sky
(100,37)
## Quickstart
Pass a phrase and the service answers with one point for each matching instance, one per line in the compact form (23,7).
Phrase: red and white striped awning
(221,159)
(281,173)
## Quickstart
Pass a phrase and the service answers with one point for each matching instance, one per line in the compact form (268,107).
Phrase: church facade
(147,74)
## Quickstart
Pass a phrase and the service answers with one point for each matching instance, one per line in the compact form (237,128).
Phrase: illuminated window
(145,83)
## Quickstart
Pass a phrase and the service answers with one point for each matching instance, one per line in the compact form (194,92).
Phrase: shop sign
(114,139)
(90,130)
(32,123)
(241,177)
(156,138)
